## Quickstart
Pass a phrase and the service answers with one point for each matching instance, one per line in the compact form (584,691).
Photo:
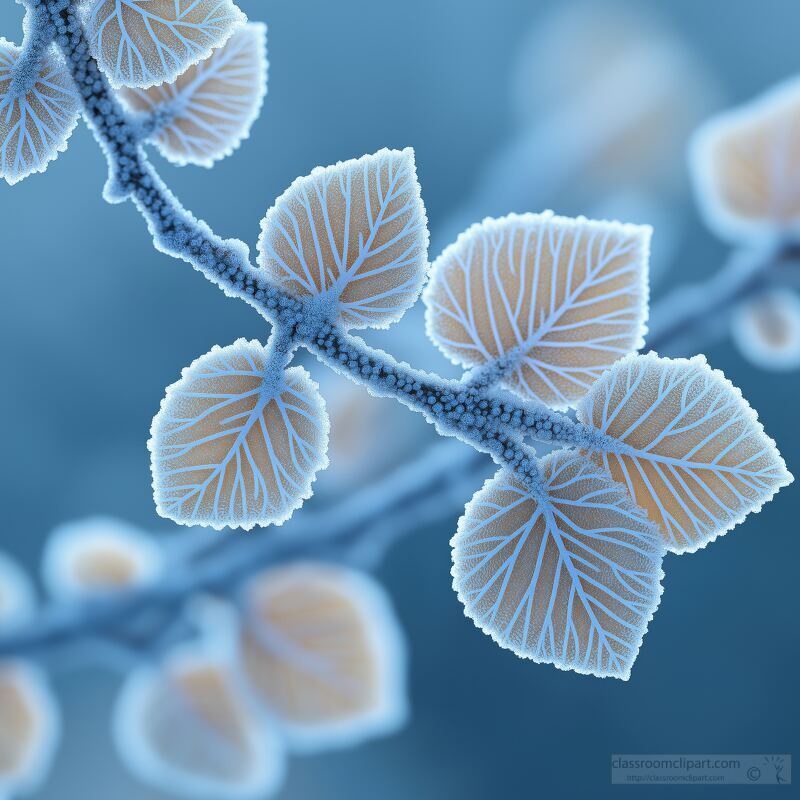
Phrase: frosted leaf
(29,727)
(570,576)
(322,649)
(356,233)
(16,594)
(185,726)
(99,556)
(766,330)
(35,124)
(210,108)
(691,451)
(745,165)
(235,444)
(145,42)
(558,300)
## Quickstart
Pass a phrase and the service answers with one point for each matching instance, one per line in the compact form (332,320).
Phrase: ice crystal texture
(145,42)
(236,443)
(569,575)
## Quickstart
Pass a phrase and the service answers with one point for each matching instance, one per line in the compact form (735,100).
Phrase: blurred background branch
(692,316)
(357,530)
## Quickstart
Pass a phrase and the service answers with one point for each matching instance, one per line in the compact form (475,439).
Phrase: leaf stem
(39,35)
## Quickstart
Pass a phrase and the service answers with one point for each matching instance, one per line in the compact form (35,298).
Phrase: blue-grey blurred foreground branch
(358,530)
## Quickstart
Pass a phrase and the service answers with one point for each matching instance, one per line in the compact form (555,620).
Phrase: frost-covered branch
(541,307)
(490,419)
(357,530)
(544,313)
(479,416)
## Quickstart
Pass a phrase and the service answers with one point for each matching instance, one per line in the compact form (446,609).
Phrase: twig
(696,311)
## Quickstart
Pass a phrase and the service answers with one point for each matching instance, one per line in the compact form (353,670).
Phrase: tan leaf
(745,164)
(145,42)
(29,727)
(235,445)
(209,109)
(36,124)
(354,233)
(569,575)
(691,450)
(185,726)
(321,648)
(559,300)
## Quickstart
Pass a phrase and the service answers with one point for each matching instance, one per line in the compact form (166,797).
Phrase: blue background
(94,323)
